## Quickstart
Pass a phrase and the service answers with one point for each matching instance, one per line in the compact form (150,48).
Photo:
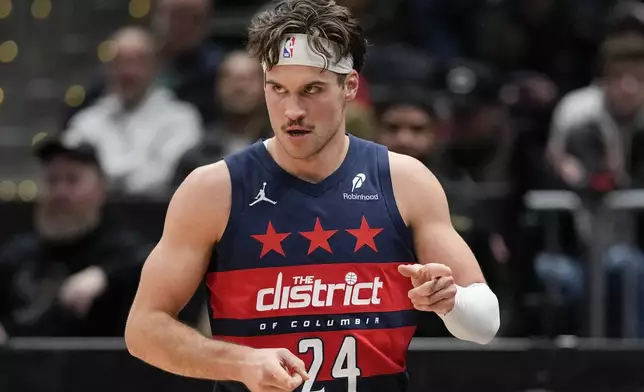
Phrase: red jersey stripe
(309,290)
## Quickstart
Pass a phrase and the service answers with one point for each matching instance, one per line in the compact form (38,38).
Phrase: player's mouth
(297,132)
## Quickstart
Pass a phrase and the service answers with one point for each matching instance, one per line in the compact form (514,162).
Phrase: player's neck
(318,167)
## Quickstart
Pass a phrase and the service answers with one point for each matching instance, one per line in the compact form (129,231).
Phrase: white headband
(295,50)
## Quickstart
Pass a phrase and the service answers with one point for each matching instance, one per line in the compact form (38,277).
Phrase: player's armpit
(423,205)
(196,216)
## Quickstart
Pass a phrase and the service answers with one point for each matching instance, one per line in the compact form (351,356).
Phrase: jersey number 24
(345,365)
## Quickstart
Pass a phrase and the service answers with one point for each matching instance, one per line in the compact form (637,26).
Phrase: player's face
(306,106)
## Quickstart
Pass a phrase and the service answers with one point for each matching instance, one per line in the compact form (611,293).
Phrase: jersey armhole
(236,206)
(387,189)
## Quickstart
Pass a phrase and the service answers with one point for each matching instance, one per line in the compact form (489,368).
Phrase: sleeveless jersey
(313,268)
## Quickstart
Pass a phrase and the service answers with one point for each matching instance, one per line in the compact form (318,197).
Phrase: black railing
(598,226)
(436,365)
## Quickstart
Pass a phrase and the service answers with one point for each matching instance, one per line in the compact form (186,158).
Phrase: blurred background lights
(8,190)
(5,8)
(27,190)
(139,8)
(75,95)
(106,51)
(8,51)
(40,9)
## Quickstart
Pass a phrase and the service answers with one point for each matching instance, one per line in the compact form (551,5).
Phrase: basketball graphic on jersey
(351,278)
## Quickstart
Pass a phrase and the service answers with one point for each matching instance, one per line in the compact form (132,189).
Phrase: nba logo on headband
(289,46)
(297,51)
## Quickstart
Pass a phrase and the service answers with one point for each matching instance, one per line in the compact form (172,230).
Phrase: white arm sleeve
(475,316)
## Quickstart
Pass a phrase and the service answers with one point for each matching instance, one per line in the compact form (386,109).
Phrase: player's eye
(312,89)
(279,89)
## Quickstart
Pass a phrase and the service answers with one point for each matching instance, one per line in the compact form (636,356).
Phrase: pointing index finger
(435,270)
(410,270)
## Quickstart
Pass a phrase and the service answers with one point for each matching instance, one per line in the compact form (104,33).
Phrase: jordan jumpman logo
(261,196)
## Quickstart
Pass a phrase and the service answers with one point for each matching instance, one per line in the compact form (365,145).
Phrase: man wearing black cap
(75,274)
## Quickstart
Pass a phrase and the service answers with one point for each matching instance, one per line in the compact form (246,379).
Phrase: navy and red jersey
(313,268)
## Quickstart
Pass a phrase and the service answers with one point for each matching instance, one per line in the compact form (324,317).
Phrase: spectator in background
(479,135)
(407,124)
(187,60)
(239,96)
(241,116)
(593,129)
(595,145)
(140,131)
(76,274)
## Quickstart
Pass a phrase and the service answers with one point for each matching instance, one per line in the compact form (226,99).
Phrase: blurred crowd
(497,98)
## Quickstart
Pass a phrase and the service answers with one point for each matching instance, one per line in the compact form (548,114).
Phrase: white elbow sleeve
(475,316)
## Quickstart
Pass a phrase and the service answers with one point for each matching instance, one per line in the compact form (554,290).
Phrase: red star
(319,237)
(271,240)
(364,235)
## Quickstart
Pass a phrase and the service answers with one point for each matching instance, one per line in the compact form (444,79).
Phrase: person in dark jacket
(76,273)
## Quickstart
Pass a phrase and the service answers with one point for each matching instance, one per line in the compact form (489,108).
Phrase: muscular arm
(195,219)
(423,206)
(421,200)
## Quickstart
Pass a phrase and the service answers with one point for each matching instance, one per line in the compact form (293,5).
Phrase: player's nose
(294,110)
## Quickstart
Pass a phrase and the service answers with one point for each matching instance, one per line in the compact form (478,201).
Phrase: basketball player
(318,248)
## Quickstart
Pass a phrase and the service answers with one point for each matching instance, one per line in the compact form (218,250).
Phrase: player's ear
(351,83)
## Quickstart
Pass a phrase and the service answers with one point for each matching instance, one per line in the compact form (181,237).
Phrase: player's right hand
(274,370)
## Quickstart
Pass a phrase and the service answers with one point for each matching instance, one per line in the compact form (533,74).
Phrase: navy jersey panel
(314,268)
(277,232)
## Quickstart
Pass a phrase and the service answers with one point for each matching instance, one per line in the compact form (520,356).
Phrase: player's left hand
(434,287)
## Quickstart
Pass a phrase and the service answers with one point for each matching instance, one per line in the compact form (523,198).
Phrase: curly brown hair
(316,18)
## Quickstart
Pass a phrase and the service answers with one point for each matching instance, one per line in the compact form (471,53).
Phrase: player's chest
(312,233)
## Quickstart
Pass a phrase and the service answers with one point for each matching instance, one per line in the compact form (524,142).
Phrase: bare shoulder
(416,189)
(406,168)
(202,202)
(207,178)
